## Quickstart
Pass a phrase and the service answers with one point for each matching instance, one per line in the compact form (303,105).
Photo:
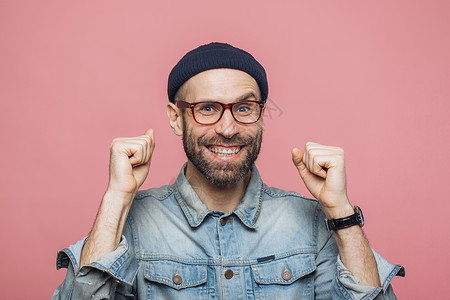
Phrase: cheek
(198,135)
(255,132)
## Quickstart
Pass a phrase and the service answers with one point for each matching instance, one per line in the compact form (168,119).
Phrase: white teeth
(224,152)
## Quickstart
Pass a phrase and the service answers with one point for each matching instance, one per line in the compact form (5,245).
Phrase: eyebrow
(246,96)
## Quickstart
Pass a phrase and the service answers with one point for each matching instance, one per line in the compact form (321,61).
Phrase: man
(219,232)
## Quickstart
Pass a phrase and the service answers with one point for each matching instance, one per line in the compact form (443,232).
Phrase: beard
(221,172)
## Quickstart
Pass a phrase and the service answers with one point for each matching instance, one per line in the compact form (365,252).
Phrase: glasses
(210,112)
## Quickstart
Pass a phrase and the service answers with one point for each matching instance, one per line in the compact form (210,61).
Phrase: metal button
(223,221)
(286,275)
(177,279)
(229,274)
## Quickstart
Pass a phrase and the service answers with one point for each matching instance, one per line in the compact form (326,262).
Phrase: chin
(229,174)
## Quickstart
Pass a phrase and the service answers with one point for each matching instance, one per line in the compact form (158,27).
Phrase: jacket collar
(195,211)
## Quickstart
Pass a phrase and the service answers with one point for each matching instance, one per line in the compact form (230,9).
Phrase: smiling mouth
(225,151)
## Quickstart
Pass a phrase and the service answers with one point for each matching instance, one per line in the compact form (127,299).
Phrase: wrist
(114,198)
(340,212)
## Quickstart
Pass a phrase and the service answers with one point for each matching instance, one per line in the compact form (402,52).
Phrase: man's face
(223,152)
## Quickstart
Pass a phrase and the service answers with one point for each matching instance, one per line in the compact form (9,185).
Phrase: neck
(217,197)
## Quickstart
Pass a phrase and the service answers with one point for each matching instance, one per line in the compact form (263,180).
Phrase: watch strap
(352,220)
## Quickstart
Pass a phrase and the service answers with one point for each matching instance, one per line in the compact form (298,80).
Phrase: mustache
(221,140)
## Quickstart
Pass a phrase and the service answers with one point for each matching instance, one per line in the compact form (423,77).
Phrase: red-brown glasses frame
(184,104)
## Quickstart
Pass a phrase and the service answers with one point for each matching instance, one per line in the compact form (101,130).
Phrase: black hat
(214,56)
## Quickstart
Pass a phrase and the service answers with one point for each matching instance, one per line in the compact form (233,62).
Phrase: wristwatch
(356,219)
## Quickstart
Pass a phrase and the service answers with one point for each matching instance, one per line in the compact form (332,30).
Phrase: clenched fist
(322,169)
(129,163)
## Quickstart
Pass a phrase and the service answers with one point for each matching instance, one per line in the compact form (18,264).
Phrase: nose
(227,125)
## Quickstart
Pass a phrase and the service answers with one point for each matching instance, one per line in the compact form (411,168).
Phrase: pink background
(372,77)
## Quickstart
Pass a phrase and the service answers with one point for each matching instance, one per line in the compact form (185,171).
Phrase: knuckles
(120,143)
(114,144)
(313,148)
(315,153)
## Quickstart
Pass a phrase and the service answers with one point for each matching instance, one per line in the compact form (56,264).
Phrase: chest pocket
(171,280)
(290,277)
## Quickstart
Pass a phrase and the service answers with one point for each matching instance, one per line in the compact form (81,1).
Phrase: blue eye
(243,109)
(208,108)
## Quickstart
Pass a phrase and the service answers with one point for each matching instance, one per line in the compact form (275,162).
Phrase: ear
(174,115)
(263,112)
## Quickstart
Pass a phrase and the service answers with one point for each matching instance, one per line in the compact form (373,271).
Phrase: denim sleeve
(110,277)
(335,281)
(350,287)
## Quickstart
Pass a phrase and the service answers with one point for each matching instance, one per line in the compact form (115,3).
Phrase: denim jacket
(273,245)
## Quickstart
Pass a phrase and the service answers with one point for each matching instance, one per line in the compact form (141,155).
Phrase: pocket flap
(175,274)
(285,270)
